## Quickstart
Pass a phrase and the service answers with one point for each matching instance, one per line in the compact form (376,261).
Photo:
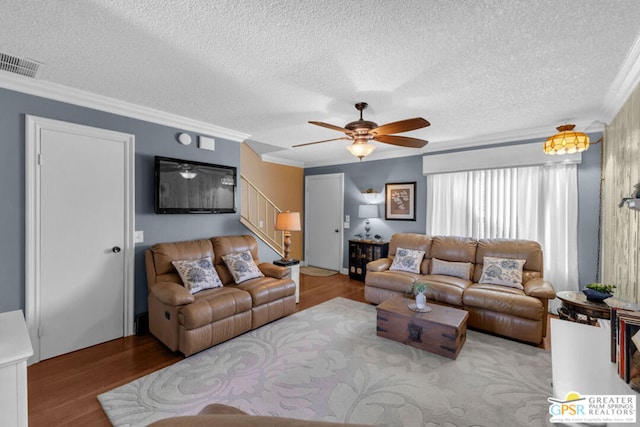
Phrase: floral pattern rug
(326,363)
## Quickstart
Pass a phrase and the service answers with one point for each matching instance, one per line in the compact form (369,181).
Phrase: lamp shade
(361,150)
(566,141)
(288,221)
(368,211)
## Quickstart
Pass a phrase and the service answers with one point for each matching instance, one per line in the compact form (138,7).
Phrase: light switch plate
(138,236)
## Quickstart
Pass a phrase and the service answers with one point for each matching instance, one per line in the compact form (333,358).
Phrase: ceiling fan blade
(401,126)
(318,142)
(329,126)
(402,141)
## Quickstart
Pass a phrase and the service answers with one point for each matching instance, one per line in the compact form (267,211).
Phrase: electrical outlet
(261,224)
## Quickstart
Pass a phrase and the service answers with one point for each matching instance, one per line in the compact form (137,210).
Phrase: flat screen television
(185,186)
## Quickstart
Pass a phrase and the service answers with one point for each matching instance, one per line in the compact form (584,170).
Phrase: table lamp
(368,212)
(287,222)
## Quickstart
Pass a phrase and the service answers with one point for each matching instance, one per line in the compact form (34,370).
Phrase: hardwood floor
(63,390)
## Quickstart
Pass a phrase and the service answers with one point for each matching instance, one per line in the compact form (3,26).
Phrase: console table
(15,349)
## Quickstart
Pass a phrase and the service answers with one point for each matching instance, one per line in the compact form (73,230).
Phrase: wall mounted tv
(185,186)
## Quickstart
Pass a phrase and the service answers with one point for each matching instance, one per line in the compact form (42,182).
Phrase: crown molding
(281,161)
(624,83)
(82,98)
(540,134)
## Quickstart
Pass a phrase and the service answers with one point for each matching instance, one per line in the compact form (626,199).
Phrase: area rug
(326,363)
(317,271)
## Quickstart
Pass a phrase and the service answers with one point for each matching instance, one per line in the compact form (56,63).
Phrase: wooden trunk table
(443,330)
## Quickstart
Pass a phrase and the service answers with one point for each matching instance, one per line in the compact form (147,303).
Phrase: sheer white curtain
(535,203)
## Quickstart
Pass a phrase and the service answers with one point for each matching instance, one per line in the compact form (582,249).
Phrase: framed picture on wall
(400,201)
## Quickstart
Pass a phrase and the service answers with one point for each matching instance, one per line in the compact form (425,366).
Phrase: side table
(575,304)
(294,271)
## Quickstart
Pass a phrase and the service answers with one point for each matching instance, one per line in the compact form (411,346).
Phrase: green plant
(607,289)
(415,288)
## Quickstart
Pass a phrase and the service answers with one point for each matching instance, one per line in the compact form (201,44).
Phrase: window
(535,203)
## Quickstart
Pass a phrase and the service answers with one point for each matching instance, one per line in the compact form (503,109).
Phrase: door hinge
(39,160)
(40,331)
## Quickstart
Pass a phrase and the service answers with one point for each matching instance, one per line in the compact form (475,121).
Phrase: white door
(81,293)
(323,220)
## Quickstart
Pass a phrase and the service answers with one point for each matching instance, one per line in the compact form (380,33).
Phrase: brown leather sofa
(193,322)
(507,311)
(228,416)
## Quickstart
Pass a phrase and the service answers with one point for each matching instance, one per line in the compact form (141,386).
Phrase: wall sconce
(287,222)
(633,202)
(370,195)
(367,212)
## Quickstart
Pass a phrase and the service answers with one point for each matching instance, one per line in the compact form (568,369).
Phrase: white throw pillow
(503,271)
(242,266)
(407,260)
(448,268)
(197,274)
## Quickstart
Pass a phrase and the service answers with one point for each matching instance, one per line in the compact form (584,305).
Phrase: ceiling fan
(362,131)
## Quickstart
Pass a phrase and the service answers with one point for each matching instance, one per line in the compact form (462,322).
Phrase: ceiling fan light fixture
(566,141)
(362,131)
(360,149)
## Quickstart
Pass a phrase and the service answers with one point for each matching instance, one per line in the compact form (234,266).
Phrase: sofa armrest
(539,288)
(272,270)
(380,264)
(172,293)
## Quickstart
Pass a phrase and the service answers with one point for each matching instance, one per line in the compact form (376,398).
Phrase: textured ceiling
(479,71)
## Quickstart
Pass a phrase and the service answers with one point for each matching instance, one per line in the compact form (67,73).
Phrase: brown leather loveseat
(191,322)
(515,312)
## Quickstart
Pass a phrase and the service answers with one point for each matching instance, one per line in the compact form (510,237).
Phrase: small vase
(421,301)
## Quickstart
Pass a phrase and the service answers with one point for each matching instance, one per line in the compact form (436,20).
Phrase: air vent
(13,64)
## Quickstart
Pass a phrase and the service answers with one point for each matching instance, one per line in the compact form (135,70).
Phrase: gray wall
(362,175)
(375,174)
(150,140)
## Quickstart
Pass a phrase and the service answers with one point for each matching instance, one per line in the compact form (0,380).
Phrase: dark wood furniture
(576,308)
(363,251)
(442,330)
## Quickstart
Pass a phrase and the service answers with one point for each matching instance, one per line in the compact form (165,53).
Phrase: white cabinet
(15,349)
(581,361)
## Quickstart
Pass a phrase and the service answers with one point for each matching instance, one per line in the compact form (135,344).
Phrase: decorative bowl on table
(596,296)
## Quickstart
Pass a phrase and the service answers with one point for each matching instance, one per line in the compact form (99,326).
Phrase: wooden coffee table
(443,330)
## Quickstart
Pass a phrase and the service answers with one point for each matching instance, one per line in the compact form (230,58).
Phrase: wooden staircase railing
(258,214)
